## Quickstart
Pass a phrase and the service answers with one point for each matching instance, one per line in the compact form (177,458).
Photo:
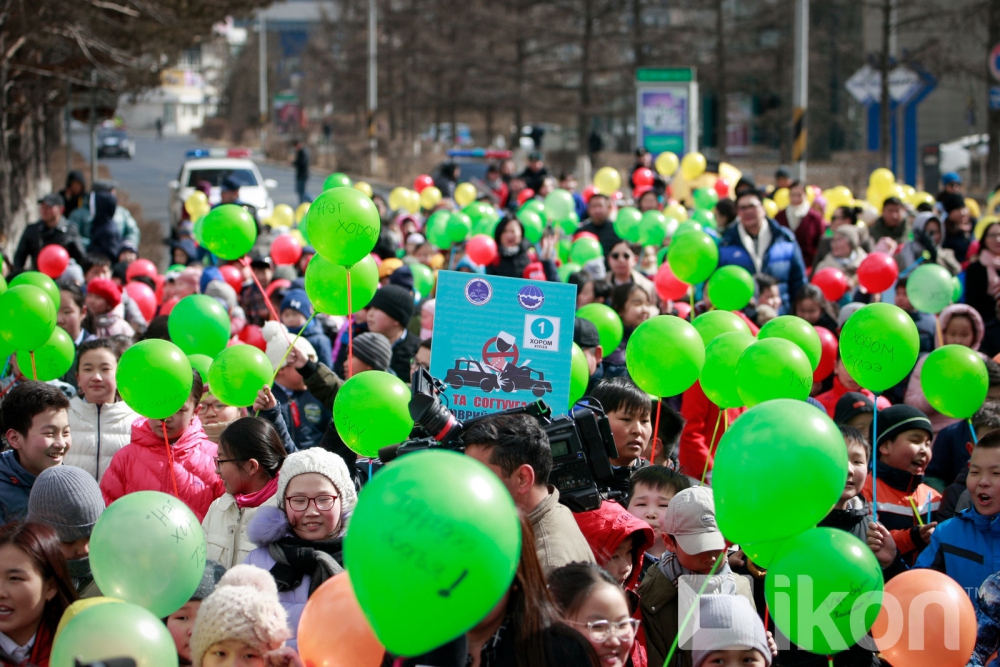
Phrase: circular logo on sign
(478,291)
(542,328)
(498,352)
(530,297)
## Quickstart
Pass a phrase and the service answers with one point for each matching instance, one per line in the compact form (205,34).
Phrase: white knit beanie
(243,607)
(328,464)
(277,338)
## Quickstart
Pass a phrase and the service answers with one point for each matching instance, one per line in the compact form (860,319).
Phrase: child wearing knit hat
(105,314)
(729,633)
(304,414)
(180,624)
(389,314)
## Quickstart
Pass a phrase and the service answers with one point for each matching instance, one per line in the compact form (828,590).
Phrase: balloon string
(281,364)
(170,459)
(350,329)
(690,611)
(711,445)
(34,371)
(937,325)
(972,428)
(656,432)
(875,461)
(263,294)
(767,615)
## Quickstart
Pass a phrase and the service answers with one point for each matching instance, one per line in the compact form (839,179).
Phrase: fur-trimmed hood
(270,525)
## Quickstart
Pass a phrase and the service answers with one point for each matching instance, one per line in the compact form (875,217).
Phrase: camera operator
(516,448)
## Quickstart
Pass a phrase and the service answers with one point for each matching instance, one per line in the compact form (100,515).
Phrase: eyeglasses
(748,207)
(219,461)
(621,255)
(601,631)
(214,407)
(993,236)
(301,503)
(416,364)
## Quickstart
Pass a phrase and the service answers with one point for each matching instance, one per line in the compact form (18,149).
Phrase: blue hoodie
(15,486)
(966,548)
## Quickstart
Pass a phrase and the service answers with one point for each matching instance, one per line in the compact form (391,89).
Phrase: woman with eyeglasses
(300,540)
(515,253)
(622,259)
(596,605)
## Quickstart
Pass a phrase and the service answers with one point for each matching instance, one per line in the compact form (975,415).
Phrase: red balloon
(832,282)
(140,267)
(252,335)
(585,235)
(722,187)
(643,176)
(668,286)
(422,181)
(286,250)
(524,195)
(587,193)
(53,260)
(877,272)
(481,249)
(683,309)
(168,305)
(160,281)
(828,343)
(144,297)
(232,276)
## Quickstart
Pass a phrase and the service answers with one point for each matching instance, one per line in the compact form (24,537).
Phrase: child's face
(24,591)
(381,323)
(180,624)
(650,504)
(289,378)
(910,451)
(584,295)
(96,376)
(903,299)
(772,297)
(214,411)
(177,422)
(97,271)
(358,366)
(292,318)
(862,422)
(698,563)
(637,309)
(313,523)
(426,318)
(233,653)
(425,254)
(631,431)
(845,377)
(959,332)
(77,549)
(620,565)
(735,657)
(606,603)
(70,315)
(46,442)
(96,305)
(983,481)
(808,310)
(857,470)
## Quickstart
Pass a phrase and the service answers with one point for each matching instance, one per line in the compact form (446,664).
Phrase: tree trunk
(885,143)
(722,89)
(993,159)
(583,114)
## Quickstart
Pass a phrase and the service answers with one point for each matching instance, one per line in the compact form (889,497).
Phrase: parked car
(204,166)
(113,142)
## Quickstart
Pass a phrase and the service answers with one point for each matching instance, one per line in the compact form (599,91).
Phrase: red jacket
(142,465)
(829,398)
(697,445)
(808,234)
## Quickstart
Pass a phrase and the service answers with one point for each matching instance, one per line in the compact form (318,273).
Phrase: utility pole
(372,82)
(93,127)
(67,119)
(262,66)
(888,51)
(800,88)
(993,115)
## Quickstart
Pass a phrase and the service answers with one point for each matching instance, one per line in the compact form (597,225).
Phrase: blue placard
(502,343)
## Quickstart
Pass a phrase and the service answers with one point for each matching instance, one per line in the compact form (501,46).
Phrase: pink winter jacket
(142,465)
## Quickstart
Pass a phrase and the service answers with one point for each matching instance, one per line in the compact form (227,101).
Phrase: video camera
(581,442)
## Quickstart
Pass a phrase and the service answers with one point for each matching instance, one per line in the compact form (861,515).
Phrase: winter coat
(105,238)
(895,488)
(403,350)
(700,437)
(808,233)
(305,417)
(143,465)
(319,340)
(511,262)
(605,233)
(879,230)
(128,228)
(828,399)
(607,527)
(782,259)
(113,323)
(976,283)
(98,432)
(966,548)
(15,486)
(558,540)
(950,454)
(225,527)
(36,236)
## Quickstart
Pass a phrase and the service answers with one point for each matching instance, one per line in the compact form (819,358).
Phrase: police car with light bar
(473,162)
(213,166)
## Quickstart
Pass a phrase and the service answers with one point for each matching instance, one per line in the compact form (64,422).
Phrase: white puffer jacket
(98,431)
(225,527)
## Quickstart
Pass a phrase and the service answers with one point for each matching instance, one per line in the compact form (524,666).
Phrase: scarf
(756,248)
(723,582)
(295,558)
(992,263)
(795,214)
(79,570)
(257,498)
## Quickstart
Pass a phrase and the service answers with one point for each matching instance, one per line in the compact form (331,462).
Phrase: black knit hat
(952,201)
(899,418)
(395,302)
(850,405)
(374,349)
(585,333)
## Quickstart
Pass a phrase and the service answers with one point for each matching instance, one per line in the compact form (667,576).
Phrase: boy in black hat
(389,313)
(856,410)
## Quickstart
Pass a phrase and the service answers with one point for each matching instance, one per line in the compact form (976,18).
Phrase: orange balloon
(926,619)
(333,631)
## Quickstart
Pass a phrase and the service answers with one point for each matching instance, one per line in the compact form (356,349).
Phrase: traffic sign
(865,85)
(995,98)
(994,61)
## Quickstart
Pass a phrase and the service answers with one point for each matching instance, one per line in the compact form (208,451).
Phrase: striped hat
(899,418)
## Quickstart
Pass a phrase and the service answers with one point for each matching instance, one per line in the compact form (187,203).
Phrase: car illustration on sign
(467,373)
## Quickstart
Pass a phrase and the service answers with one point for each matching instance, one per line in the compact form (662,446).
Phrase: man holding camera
(517,449)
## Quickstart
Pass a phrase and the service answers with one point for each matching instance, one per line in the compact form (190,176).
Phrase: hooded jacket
(895,488)
(607,527)
(143,465)
(15,486)
(98,432)
(105,237)
(914,250)
(966,548)
(319,340)
(782,259)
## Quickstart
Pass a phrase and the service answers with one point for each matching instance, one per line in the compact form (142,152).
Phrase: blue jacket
(782,259)
(305,416)
(966,548)
(319,340)
(15,486)
(950,452)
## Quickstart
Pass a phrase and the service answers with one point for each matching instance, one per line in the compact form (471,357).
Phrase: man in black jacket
(53,228)
(301,164)
(389,314)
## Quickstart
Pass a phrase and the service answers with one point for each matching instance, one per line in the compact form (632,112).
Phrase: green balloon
(148,548)
(954,380)
(228,231)
(579,375)
(705,199)
(763,553)
(199,225)
(337,180)
(731,288)
(627,224)
(326,285)
(714,323)
(570,223)
(693,257)
(201,363)
(705,218)
(654,228)
(343,225)
(423,279)
(436,229)
(39,280)
(198,324)
(687,227)
(585,249)
(773,368)
(567,269)
(485,225)
(443,523)
(956,289)
(665,356)
(480,210)
(52,360)
(3,285)
(27,317)
(107,631)
(718,376)
(458,228)
(558,205)
(175,268)
(154,378)
(533,225)
(535,205)
(777,441)
(798,331)
(609,325)
(372,411)
(830,573)
(930,288)
(879,345)
(239,372)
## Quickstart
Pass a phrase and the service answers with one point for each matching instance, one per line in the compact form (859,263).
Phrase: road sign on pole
(994,61)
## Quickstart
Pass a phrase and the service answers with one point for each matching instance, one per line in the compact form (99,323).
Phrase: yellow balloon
(465,194)
(839,193)
(429,197)
(693,165)
(283,216)
(267,222)
(196,204)
(993,203)
(412,201)
(881,179)
(297,235)
(666,163)
(918,198)
(399,199)
(877,195)
(607,180)
(908,191)
(781,198)
(300,211)
(983,223)
(770,208)
(362,186)
(811,193)
(973,207)
(675,211)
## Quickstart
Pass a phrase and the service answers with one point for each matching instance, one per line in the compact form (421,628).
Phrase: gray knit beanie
(325,463)
(68,499)
(727,622)
(374,349)
(209,579)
